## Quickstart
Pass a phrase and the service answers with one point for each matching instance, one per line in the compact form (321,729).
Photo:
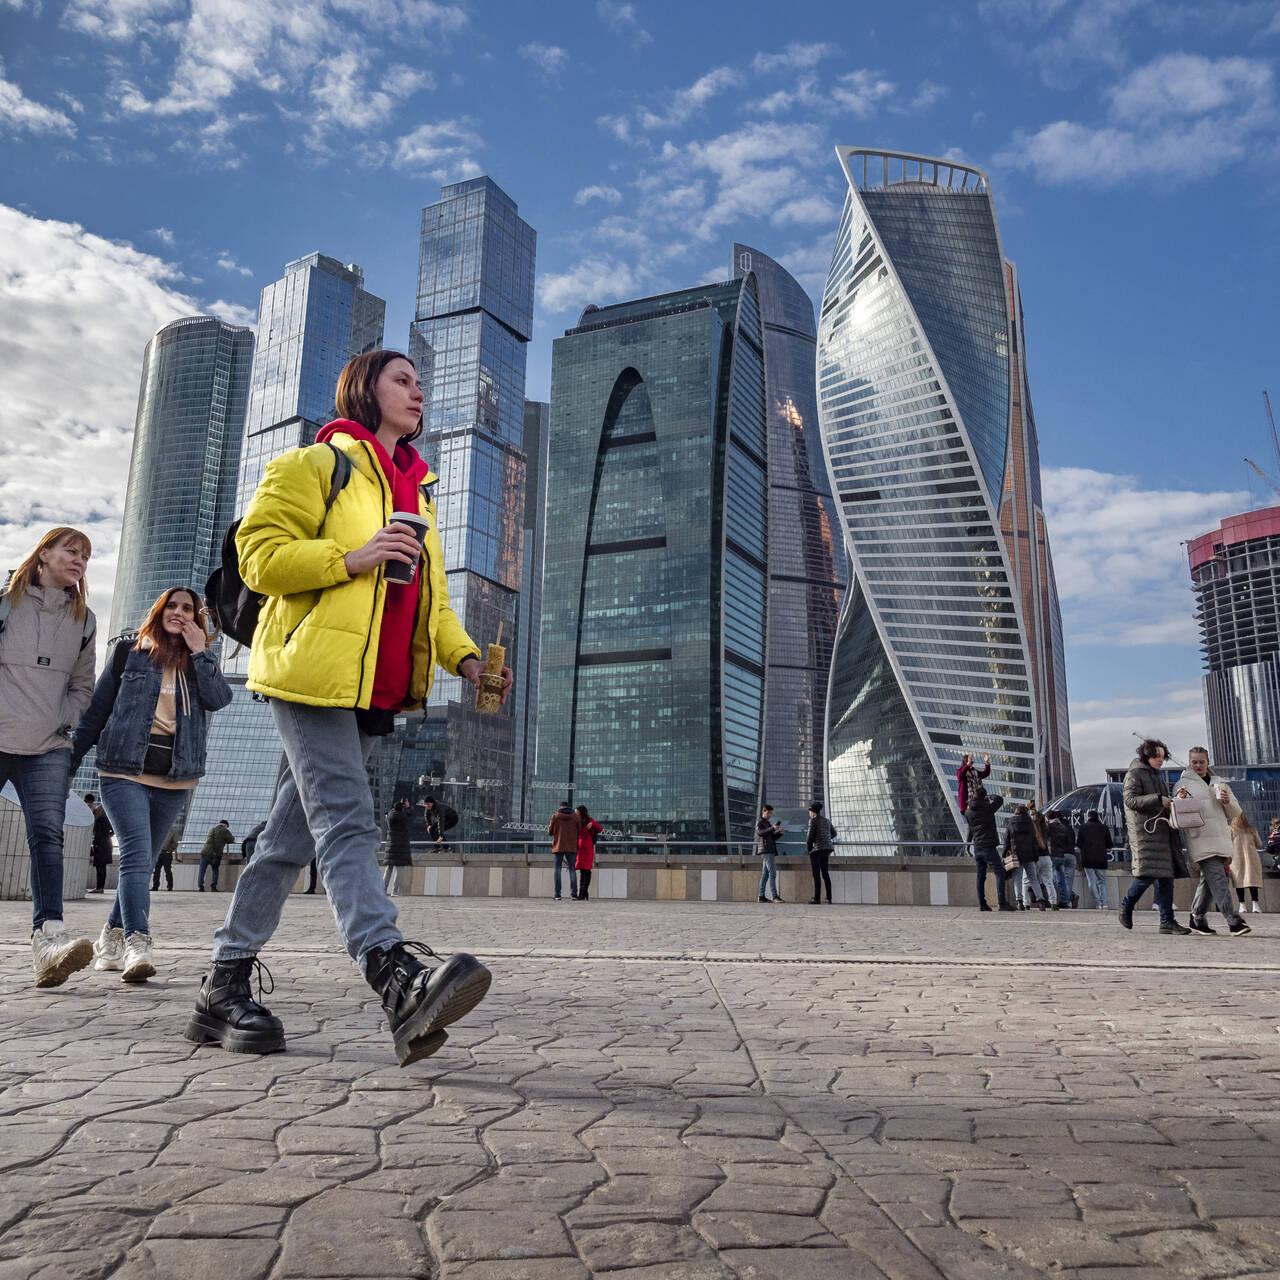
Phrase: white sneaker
(137,958)
(1257,906)
(56,955)
(108,951)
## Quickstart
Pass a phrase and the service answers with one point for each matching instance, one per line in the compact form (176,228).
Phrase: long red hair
(167,650)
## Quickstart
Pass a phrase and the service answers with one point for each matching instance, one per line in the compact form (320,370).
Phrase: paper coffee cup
(397,570)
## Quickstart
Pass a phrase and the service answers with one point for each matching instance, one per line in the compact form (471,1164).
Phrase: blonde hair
(1201,751)
(1240,825)
(27,574)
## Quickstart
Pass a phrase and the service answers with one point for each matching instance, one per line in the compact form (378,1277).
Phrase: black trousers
(163,863)
(990,858)
(315,872)
(818,863)
(100,869)
(584,883)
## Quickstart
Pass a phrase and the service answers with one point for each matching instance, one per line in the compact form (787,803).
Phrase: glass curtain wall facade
(1235,571)
(473,321)
(1026,540)
(311,321)
(807,571)
(182,472)
(654,606)
(914,403)
(537,429)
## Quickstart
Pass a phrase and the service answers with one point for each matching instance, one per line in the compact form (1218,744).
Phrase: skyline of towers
(654,608)
(182,468)
(807,571)
(1235,572)
(311,321)
(914,385)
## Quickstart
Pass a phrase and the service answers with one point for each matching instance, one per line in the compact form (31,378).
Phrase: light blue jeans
(1037,877)
(769,876)
(141,817)
(324,810)
(1097,885)
(41,784)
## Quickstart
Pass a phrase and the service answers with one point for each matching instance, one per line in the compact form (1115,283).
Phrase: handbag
(1011,862)
(1185,813)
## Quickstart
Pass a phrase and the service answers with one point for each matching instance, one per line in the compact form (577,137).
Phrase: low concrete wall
(15,857)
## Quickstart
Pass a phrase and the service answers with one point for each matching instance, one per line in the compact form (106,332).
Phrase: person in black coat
(981,817)
(1093,843)
(100,852)
(821,843)
(440,818)
(399,855)
(1020,841)
(1062,852)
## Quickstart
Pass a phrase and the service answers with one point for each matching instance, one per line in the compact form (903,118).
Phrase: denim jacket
(118,721)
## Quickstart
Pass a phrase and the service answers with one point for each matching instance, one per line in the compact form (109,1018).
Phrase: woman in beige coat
(1209,846)
(1246,866)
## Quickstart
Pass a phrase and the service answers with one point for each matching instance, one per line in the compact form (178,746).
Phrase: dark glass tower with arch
(914,391)
(654,591)
(186,455)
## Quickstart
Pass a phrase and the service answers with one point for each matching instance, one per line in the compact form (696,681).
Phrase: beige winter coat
(1246,865)
(1213,840)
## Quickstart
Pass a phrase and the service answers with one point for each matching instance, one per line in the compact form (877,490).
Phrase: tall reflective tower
(654,606)
(182,472)
(473,322)
(311,321)
(1026,539)
(914,391)
(806,554)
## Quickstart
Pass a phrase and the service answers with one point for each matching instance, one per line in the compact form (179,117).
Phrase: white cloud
(609,195)
(1118,554)
(441,150)
(1103,731)
(795,57)
(927,95)
(596,280)
(119,19)
(76,312)
(164,235)
(228,263)
(1181,117)
(862,92)
(550,59)
(685,102)
(344,99)
(233,313)
(19,114)
(622,18)
(1065,36)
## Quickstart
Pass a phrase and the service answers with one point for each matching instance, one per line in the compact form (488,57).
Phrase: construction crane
(1275,444)
(1267,480)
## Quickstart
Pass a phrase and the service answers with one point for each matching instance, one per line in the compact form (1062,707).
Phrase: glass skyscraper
(654,614)
(914,391)
(1026,539)
(473,321)
(537,423)
(182,472)
(311,321)
(806,554)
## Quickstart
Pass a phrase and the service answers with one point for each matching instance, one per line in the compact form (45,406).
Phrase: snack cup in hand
(489,694)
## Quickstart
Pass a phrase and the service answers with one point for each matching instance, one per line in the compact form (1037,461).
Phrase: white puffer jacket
(1213,840)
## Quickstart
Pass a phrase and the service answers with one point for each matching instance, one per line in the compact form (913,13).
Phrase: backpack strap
(341,474)
(87,631)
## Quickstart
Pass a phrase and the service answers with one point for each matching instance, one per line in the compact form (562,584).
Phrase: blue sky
(167,156)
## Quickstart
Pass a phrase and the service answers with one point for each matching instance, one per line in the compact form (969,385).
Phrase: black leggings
(818,860)
(1253,890)
(584,883)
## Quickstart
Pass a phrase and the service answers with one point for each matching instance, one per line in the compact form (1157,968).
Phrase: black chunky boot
(420,1002)
(227,1014)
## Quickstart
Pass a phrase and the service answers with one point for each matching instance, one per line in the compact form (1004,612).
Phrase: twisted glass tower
(914,395)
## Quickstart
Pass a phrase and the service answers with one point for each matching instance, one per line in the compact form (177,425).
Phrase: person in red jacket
(586,858)
(968,775)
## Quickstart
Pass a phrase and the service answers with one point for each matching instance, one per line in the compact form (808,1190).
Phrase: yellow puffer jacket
(317,636)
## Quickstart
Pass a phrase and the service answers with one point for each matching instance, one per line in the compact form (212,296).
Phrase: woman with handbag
(1154,843)
(1209,845)
(1021,843)
(149,720)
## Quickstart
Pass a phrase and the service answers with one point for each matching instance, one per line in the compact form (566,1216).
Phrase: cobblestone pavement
(661,1091)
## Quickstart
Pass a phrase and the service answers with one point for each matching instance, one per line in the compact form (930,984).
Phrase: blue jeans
(1064,878)
(212,867)
(323,809)
(142,817)
(1037,875)
(1164,895)
(1097,885)
(41,784)
(769,875)
(990,859)
(568,859)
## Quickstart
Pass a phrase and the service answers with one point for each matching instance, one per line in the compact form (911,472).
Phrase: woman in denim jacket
(148,719)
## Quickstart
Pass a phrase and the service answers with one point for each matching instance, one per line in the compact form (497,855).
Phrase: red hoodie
(404,473)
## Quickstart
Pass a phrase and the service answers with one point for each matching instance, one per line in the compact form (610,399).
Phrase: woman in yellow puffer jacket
(338,650)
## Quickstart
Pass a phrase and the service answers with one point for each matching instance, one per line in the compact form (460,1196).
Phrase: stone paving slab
(660,1091)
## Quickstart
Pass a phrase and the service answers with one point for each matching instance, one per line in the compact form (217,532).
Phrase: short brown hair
(356,398)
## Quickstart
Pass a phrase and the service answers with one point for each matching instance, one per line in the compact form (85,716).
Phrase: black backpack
(232,606)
